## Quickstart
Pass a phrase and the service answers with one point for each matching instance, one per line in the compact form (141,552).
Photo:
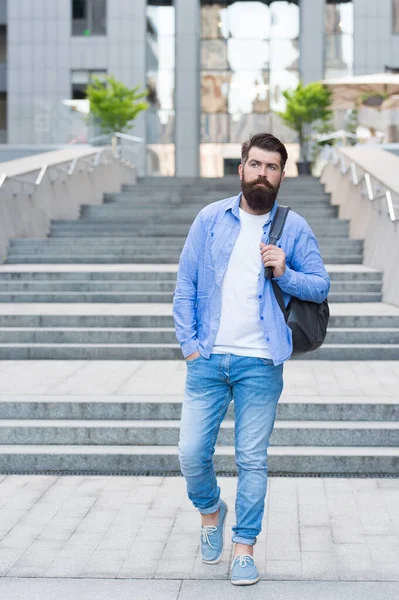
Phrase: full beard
(260,198)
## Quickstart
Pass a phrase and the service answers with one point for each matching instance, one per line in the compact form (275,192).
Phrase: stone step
(337,287)
(198,201)
(109,213)
(137,244)
(173,227)
(159,336)
(144,297)
(296,460)
(37,316)
(161,433)
(151,246)
(183,201)
(352,258)
(98,232)
(133,242)
(86,351)
(156,277)
(166,408)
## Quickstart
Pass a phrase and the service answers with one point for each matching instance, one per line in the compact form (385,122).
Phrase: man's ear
(240,171)
(282,176)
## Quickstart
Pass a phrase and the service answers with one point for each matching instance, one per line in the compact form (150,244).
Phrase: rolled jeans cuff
(237,539)
(210,510)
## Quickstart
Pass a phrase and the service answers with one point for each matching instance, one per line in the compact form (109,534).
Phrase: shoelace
(243,558)
(207,530)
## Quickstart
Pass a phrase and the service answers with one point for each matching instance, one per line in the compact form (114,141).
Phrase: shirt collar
(234,206)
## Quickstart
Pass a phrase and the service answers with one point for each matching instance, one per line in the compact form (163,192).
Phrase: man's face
(261,177)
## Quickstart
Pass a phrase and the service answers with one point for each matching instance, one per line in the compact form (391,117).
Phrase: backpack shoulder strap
(278,224)
(276,230)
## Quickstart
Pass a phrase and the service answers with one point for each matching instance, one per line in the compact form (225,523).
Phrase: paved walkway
(374,380)
(137,537)
(145,527)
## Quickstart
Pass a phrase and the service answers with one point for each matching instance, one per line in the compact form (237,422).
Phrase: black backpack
(307,320)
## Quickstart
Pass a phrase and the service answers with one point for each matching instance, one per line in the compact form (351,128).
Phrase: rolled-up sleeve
(185,295)
(307,278)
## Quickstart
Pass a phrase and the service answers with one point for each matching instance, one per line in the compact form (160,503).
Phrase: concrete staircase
(140,434)
(125,251)
(101,288)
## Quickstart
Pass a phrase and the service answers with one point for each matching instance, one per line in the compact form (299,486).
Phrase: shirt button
(261,318)
(260,297)
(267,339)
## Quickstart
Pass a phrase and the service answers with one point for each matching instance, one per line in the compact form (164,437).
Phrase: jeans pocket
(267,361)
(193,360)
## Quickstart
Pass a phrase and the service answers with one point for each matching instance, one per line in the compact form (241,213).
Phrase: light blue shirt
(203,263)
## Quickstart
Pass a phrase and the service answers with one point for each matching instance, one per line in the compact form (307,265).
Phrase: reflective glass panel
(249,20)
(214,91)
(161,85)
(248,55)
(160,117)
(160,126)
(284,54)
(280,81)
(248,92)
(395,11)
(338,24)
(214,54)
(214,128)
(284,20)
(214,22)
(339,55)
(243,126)
(161,160)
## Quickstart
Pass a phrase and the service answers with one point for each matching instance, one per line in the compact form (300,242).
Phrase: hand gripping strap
(275,232)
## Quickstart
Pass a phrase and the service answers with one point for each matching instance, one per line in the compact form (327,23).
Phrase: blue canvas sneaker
(212,538)
(243,570)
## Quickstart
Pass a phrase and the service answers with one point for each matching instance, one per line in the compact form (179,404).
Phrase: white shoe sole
(245,581)
(215,562)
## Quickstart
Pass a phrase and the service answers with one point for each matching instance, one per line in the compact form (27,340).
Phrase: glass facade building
(215,70)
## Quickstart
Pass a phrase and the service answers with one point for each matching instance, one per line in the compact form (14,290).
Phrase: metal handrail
(88,160)
(132,138)
(347,166)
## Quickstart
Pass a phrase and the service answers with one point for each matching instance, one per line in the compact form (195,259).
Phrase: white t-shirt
(240,331)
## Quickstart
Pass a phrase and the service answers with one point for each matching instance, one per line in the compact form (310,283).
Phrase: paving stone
(283,569)
(318,539)
(319,565)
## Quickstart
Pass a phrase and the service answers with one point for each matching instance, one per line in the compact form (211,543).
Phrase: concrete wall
(375,44)
(37,70)
(369,220)
(42,53)
(311,41)
(26,210)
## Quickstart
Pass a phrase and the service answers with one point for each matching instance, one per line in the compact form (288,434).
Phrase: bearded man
(235,341)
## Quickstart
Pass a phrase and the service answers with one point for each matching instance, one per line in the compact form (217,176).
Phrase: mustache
(263,181)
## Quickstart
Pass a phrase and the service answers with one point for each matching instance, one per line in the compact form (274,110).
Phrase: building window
(81,79)
(338,34)
(89,17)
(160,117)
(249,55)
(395,15)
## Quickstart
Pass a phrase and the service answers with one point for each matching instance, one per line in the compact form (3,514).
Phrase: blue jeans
(255,385)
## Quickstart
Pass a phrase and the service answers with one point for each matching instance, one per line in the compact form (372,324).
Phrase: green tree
(115,105)
(306,106)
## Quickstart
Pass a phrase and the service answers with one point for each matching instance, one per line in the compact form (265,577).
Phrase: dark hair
(264,141)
